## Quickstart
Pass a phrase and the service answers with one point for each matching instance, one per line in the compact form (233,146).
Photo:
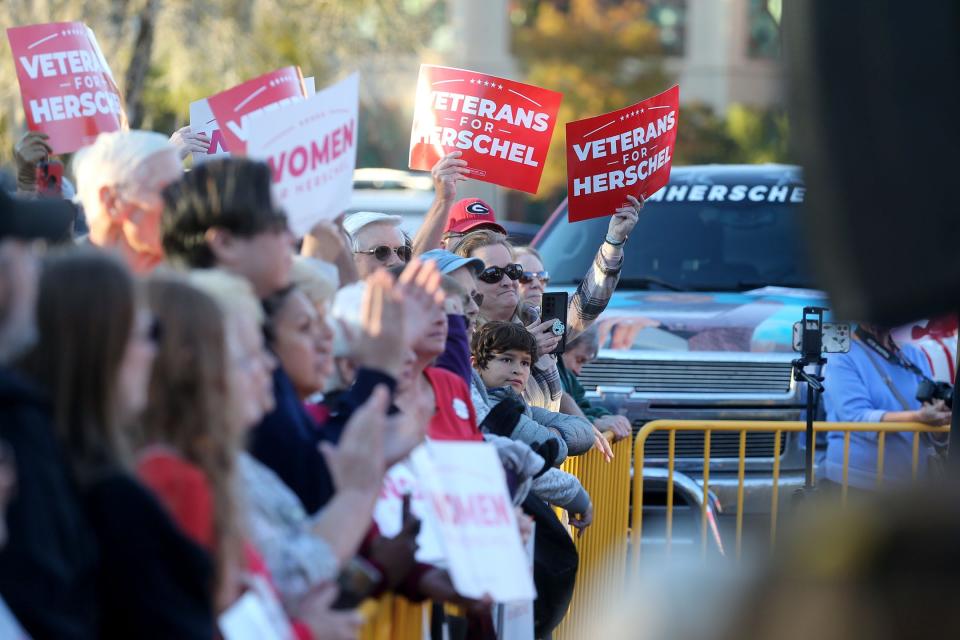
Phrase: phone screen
(554,307)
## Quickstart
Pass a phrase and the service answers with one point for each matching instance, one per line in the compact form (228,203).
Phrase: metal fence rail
(778,429)
(603,547)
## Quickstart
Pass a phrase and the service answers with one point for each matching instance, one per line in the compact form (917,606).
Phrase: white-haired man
(120,178)
(377,241)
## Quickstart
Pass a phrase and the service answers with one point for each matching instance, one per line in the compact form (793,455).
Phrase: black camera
(929,390)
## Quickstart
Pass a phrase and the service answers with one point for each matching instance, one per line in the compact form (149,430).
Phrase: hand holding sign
(397,555)
(67,87)
(448,171)
(622,153)
(187,141)
(625,219)
(502,127)
(234,108)
(311,147)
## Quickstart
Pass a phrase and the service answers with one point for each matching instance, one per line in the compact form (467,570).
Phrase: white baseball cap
(356,221)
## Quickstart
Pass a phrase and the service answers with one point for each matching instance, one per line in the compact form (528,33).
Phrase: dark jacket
(48,566)
(153,582)
(572,386)
(456,358)
(287,439)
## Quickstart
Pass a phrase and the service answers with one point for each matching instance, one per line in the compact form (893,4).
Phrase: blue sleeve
(351,400)
(917,357)
(286,442)
(456,358)
(847,396)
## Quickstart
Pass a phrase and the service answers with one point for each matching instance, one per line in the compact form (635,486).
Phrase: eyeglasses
(527,276)
(382,253)
(493,275)
(477,298)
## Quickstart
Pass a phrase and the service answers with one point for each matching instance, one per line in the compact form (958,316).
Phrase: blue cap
(450,262)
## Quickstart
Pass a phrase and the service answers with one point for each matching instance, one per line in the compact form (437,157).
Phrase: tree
(165,54)
(602,56)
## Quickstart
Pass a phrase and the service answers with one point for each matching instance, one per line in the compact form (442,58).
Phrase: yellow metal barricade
(392,618)
(603,547)
(779,429)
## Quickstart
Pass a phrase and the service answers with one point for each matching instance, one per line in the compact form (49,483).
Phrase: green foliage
(204,47)
(599,55)
(745,135)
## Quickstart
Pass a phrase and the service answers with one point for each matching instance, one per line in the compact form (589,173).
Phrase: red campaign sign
(621,153)
(502,127)
(234,107)
(67,87)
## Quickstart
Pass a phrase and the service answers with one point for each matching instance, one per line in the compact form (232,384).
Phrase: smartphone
(836,336)
(554,307)
(357,580)
(50,178)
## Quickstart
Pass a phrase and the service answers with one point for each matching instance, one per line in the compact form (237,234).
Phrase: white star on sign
(472,80)
(500,87)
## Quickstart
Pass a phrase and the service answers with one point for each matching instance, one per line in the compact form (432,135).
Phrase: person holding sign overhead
(498,283)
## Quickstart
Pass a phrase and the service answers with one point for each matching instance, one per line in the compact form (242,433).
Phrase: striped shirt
(544,389)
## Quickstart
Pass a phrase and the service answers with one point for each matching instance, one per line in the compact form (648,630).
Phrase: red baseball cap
(471,214)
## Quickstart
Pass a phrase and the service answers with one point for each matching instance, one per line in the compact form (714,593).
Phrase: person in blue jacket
(877,382)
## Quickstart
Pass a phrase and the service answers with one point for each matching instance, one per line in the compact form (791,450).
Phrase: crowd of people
(195,404)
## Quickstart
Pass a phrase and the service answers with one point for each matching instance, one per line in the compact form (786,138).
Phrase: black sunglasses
(382,253)
(527,276)
(493,275)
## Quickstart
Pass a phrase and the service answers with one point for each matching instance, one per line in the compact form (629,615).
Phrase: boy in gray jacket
(502,354)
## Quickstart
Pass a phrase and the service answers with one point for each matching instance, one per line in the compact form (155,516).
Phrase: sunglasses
(382,253)
(493,275)
(527,276)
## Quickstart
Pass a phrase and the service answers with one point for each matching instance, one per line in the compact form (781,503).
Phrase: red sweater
(183,489)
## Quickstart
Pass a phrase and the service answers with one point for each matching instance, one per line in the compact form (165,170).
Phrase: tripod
(811,352)
(814,387)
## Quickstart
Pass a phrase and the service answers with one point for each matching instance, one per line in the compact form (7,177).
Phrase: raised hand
(32,148)
(383,344)
(421,295)
(624,220)
(448,171)
(187,142)
(325,241)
